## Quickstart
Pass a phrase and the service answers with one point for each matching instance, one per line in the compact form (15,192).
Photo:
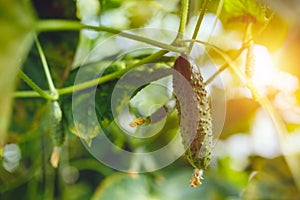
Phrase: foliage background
(248,161)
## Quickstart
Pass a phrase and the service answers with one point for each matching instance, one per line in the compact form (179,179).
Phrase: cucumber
(57,130)
(193,105)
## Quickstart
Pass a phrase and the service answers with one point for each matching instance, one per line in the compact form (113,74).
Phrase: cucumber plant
(198,146)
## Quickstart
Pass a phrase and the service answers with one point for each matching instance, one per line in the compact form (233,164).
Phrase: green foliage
(152,97)
(16,21)
(122,186)
(167,184)
(139,13)
(248,10)
(111,4)
(25,171)
(239,115)
(270,179)
(85,104)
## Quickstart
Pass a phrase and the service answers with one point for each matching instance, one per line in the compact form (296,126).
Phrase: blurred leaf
(85,105)
(77,192)
(168,184)
(238,116)
(288,56)
(271,179)
(88,12)
(246,9)
(139,12)
(87,8)
(175,185)
(238,178)
(17,22)
(110,4)
(152,97)
(288,9)
(123,186)
(83,127)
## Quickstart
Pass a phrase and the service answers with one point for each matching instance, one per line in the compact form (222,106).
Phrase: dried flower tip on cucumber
(196,178)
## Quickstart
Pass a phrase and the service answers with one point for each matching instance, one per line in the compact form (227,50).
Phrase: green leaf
(244,9)
(16,22)
(167,184)
(77,191)
(83,127)
(125,187)
(139,12)
(88,12)
(175,186)
(85,105)
(152,97)
(271,179)
(111,4)
(87,8)
(238,116)
(109,109)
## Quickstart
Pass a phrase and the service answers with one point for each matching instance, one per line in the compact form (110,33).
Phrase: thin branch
(183,16)
(68,25)
(46,68)
(35,87)
(199,22)
(224,66)
(91,83)
(112,76)
(218,13)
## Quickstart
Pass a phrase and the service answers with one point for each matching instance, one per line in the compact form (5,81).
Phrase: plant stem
(46,69)
(218,13)
(199,22)
(35,87)
(111,76)
(223,67)
(68,25)
(183,16)
(248,41)
(27,94)
(91,83)
(250,58)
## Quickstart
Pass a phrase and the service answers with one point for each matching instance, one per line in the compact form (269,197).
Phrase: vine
(180,46)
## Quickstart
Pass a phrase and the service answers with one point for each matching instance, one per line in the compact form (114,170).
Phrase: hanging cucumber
(193,105)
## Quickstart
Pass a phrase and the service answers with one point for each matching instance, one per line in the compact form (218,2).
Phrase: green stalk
(112,76)
(247,42)
(46,67)
(27,94)
(218,13)
(38,91)
(68,25)
(198,24)
(250,59)
(183,17)
(59,25)
(223,67)
(91,83)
